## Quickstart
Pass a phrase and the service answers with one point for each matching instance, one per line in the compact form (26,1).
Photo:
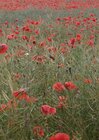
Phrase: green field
(52,58)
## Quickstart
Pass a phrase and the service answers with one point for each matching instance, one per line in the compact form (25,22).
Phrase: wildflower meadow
(49,70)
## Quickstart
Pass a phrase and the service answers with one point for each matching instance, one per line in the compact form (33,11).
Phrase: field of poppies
(49,70)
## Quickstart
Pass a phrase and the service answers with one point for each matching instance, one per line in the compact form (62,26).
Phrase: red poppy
(38,130)
(60,136)
(64,50)
(20,94)
(48,110)
(70,85)
(26,28)
(78,37)
(24,37)
(52,49)
(71,42)
(3,107)
(91,43)
(42,44)
(88,81)
(39,58)
(78,23)
(59,87)
(11,36)
(49,39)
(37,32)
(3,48)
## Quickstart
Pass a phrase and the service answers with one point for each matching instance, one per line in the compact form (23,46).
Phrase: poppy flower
(42,44)
(78,37)
(3,107)
(38,130)
(78,23)
(26,28)
(59,87)
(52,49)
(60,136)
(91,43)
(49,39)
(3,48)
(71,42)
(20,94)
(37,32)
(11,36)
(39,58)
(88,81)
(70,86)
(24,37)
(48,110)
(64,50)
